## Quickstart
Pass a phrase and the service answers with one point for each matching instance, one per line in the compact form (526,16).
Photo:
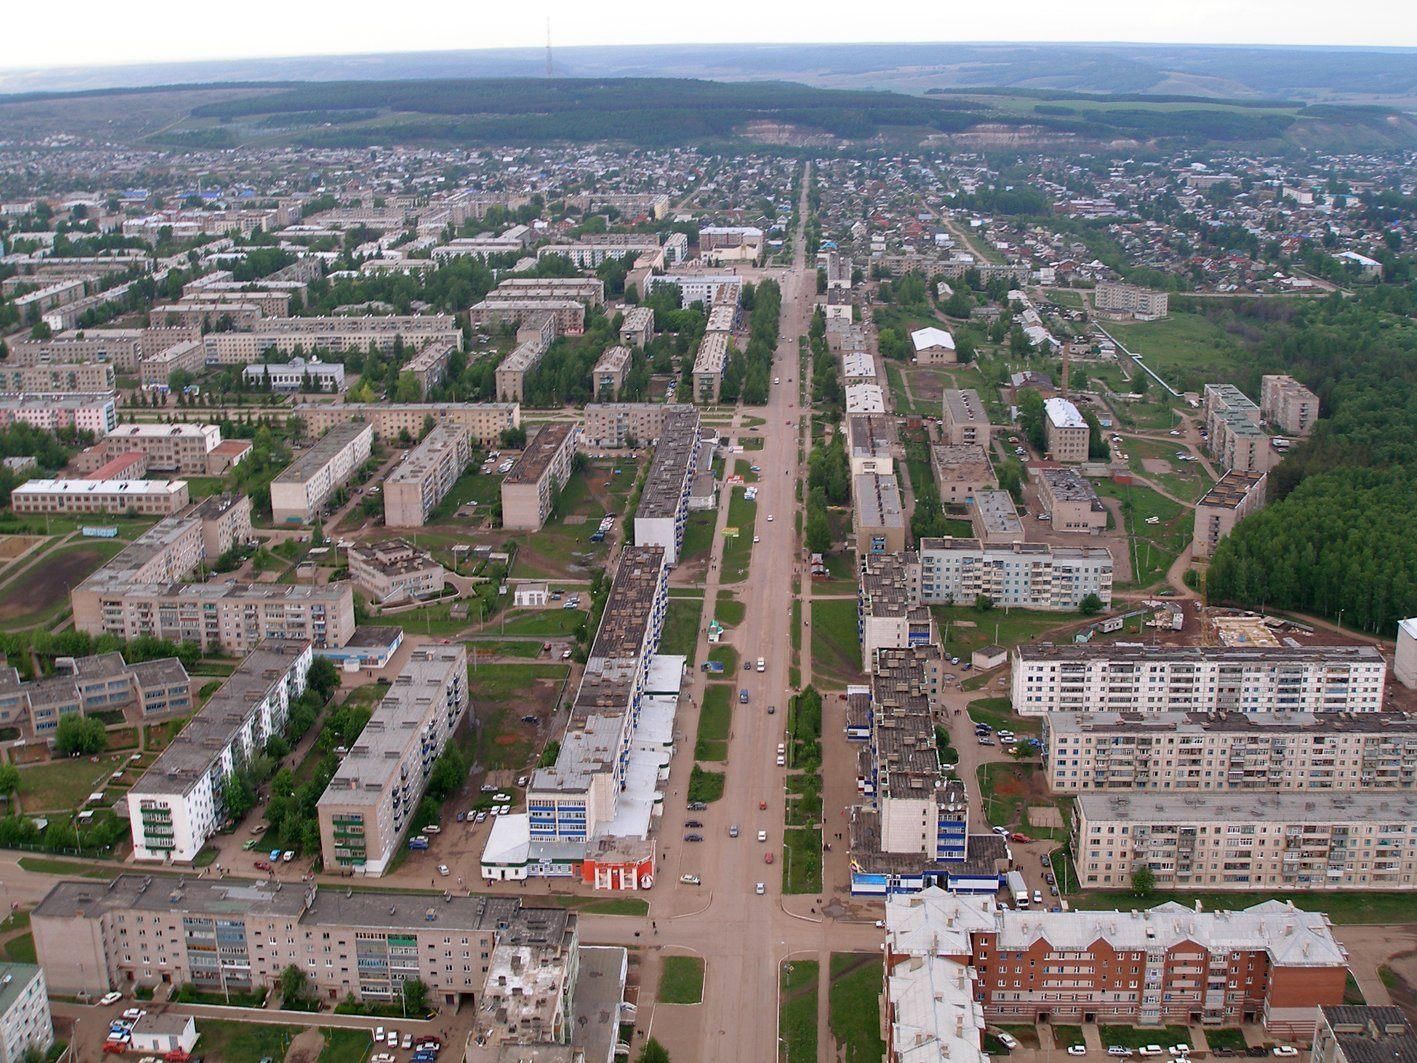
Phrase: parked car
(109,998)
(760,889)
(1285,1050)
(1077,1050)
(693,837)
(1120,1051)
(692,823)
(1009,1041)
(1149,1050)
(697,806)
(443,870)
(690,880)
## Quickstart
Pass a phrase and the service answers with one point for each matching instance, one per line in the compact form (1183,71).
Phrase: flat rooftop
(996,513)
(79,488)
(1129,653)
(1068,485)
(540,452)
(964,407)
(878,502)
(665,483)
(1231,489)
(1264,725)
(1063,414)
(870,434)
(308,464)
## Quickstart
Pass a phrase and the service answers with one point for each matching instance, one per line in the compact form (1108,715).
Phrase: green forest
(1337,536)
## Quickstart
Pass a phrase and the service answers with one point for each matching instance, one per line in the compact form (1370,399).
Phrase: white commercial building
(296,375)
(177,804)
(1150,679)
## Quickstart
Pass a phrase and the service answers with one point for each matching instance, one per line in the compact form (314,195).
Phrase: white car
(1180,1051)
(1120,1051)
(109,998)
(781,761)
(762,665)
(1002,832)
(760,889)
(769,518)
(392,1038)
(1285,1050)
(690,880)
(756,539)
(1077,1050)
(378,1034)
(407,1041)
(1037,896)
(443,870)
(762,835)
(1008,1040)
(134,1014)
(1149,1050)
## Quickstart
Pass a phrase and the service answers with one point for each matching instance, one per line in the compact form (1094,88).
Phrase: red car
(767,858)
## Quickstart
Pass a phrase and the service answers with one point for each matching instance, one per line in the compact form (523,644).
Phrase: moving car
(690,880)
(760,889)
(693,837)
(762,665)
(767,857)
(762,835)
(733,831)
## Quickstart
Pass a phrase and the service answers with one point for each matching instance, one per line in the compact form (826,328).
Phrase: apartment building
(146,498)
(994,517)
(865,398)
(1129,299)
(710,360)
(962,471)
(365,811)
(242,312)
(1234,436)
(530,489)
(724,317)
(512,370)
(56,377)
(300,491)
(594,254)
(1152,679)
(912,829)
(1227,751)
(575,801)
(1233,498)
(394,570)
(1248,841)
(1271,964)
(296,375)
(185,449)
(484,421)
(1070,501)
(495,311)
(155,370)
(637,327)
(120,347)
(1287,405)
(136,930)
(1360,1033)
(177,804)
(103,682)
(283,335)
(613,425)
(858,367)
(26,1026)
(587,290)
(871,441)
(429,364)
(966,421)
(482,247)
(1027,575)
(608,375)
(663,511)
(877,515)
(57,411)
(225,522)
(653,205)
(1066,431)
(710,289)
(888,610)
(49,296)
(425,476)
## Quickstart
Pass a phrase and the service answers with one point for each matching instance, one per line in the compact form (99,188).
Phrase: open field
(1154,546)
(797,1013)
(971,628)
(836,648)
(681,628)
(40,593)
(853,1007)
(65,784)
(1188,350)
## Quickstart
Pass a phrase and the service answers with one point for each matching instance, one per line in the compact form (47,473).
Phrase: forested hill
(1339,533)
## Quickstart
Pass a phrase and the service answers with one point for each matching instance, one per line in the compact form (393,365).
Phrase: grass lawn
(1154,546)
(738,551)
(1188,350)
(503,682)
(20,949)
(797,1011)
(730,611)
(715,721)
(698,536)
(681,628)
(836,647)
(1137,1036)
(345,1046)
(65,784)
(629,906)
(704,785)
(725,655)
(998,713)
(853,1007)
(1064,1036)
(245,1042)
(802,860)
(970,628)
(1228,1037)
(682,980)
(557,621)
(504,648)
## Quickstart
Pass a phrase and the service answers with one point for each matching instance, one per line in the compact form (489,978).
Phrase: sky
(97,33)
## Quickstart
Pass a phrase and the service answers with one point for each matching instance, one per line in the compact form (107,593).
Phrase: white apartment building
(1027,575)
(1129,299)
(26,1025)
(1151,679)
(177,804)
(1248,841)
(143,497)
(1066,430)
(1228,751)
(300,491)
(711,289)
(285,334)
(429,471)
(613,425)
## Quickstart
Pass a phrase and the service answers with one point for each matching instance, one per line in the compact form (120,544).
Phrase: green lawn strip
(559,621)
(345,1046)
(804,799)
(998,713)
(505,647)
(853,1006)
(802,860)
(682,980)
(1230,1038)
(698,536)
(244,1042)
(1065,1036)
(629,906)
(971,628)
(20,949)
(797,1011)
(1136,1036)
(738,551)
(64,785)
(725,655)
(705,785)
(729,611)
(715,722)
(836,647)
(681,628)
(796,625)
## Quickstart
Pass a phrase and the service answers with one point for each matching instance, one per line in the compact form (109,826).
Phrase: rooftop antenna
(548,47)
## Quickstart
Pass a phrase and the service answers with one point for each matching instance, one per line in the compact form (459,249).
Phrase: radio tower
(548,48)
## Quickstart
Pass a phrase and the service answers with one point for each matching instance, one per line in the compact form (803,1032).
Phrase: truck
(1016,885)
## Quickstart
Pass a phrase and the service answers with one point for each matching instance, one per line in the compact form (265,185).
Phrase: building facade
(1066,431)
(484,421)
(425,476)
(393,570)
(1029,575)
(1288,405)
(26,1026)
(146,498)
(663,511)
(1234,497)
(966,420)
(530,489)
(300,491)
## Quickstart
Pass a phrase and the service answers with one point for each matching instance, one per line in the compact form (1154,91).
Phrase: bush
(80,736)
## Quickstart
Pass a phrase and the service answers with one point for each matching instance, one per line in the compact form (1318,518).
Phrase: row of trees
(748,375)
